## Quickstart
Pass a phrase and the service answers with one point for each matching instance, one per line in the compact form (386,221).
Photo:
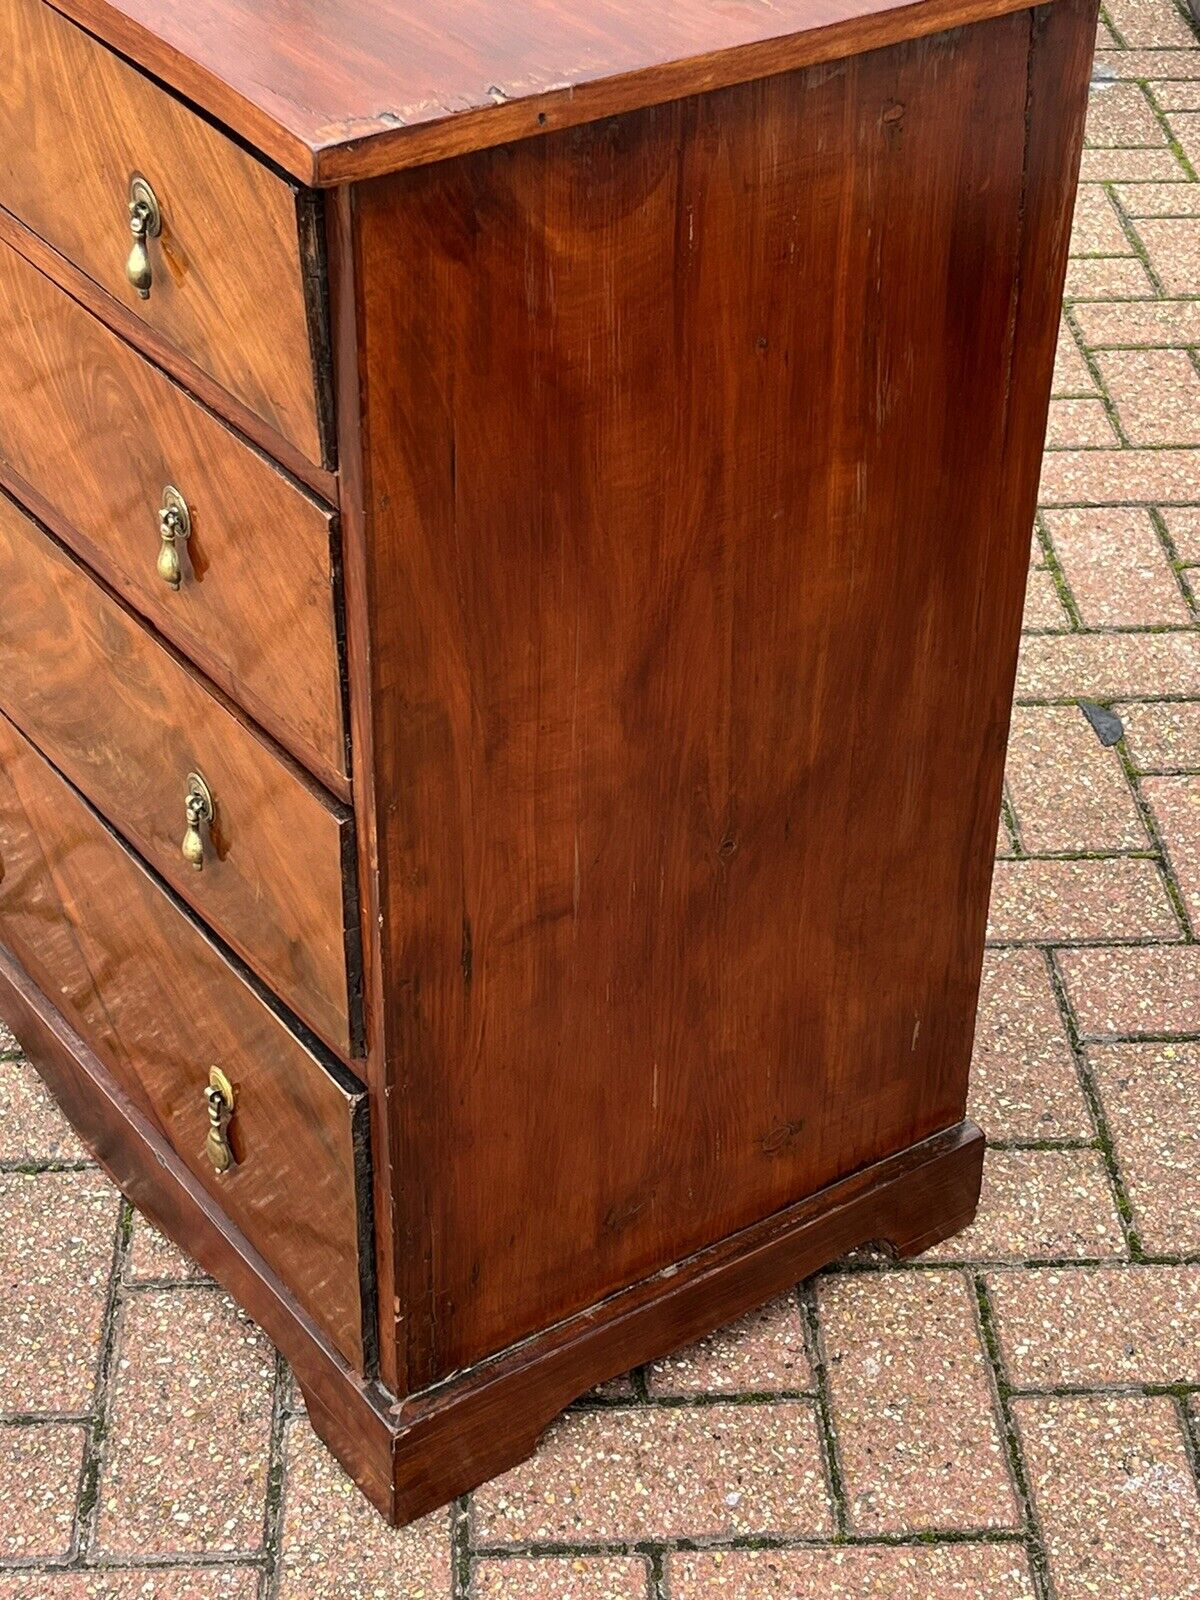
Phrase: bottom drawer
(162,1005)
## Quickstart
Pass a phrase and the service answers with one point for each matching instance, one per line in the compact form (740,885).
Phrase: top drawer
(233,278)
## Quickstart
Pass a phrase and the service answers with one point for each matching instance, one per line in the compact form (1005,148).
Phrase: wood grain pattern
(97,432)
(160,1004)
(364,87)
(687,453)
(127,721)
(229,279)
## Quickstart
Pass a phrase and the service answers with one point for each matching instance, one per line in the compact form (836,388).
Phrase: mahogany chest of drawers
(512,544)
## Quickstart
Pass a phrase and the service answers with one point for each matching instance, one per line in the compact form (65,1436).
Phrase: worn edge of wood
(412,1456)
(310,231)
(167,357)
(346,157)
(346,313)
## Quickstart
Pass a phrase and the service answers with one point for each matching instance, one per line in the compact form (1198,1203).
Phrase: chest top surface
(340,90)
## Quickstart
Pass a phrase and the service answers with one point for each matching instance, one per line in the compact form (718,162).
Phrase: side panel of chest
(697,490)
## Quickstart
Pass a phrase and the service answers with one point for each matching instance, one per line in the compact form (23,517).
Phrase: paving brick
(1150,1093)
(1071,374)
(1169,199)
(1106,278)
(185,1463)
(1110,323)
(1097,1327)
(56,1251)
(1149,22)
(880,1572)
(1079,425)
(1114,1496)
(763,1353)
(562,1578)
(1175,803)
(1130,989)
(154,1583)
(1067,790)
(1142,64)
(32,1128)
(1183,525)
(336,1546)
(1120,114)
(153,1258)
(712,1471)
(1173,246)
(1156,393)
(917,1437)
(1066,902)
(1043,608)
(1172,95)
(1115,564)
(1131,167)
(1108,666)
(1023,1079)
(1163,737)
(39,1484)
(1097,230)
(1040,1205)
(1119,477)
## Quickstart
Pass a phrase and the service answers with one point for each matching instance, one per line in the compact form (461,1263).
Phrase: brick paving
(1015,1416)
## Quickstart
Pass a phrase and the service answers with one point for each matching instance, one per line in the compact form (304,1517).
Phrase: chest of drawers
(513,528)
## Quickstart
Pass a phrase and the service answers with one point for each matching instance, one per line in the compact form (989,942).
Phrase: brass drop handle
(198,806)
(218,1100)
(145,223)
(174,527)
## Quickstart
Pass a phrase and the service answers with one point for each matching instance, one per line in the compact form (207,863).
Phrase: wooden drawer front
(98,433)
(127,721)
(234,285)
(160,1005)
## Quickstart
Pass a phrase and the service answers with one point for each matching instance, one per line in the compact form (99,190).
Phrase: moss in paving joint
(1150,823)
(1130,231)
(658,1575)
(806,1295)
(34,1169)
(1096,1109)
(1160,117)
(1169,545)
(1097,376)
(460,1547)
(87,1502)
(1057,576)
(1012,1444)
(1008,818)
(273,1502)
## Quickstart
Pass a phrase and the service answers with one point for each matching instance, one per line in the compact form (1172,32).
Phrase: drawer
(234,280)
(128,722)
(98,434)
(161,1006)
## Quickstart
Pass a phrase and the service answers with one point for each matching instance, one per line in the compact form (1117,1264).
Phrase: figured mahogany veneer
(234,266)
(161,1004)
(127,722)
(95,433)
(686,459)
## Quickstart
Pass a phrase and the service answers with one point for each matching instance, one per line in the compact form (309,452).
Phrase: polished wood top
(337,90)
